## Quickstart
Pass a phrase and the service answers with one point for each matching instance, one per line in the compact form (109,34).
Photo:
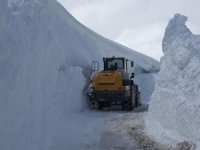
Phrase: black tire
(137,96)
(136,100)
(92,104)
(127,106)
(95,105)
(136,88)
(124,106)
(130,107)
(100,106)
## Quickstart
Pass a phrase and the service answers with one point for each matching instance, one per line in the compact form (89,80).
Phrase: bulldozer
(113,85)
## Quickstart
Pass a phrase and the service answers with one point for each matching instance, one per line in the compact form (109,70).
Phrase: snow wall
(175,105)
(43,51)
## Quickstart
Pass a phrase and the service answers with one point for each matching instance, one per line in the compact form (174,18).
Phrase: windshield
(115,64)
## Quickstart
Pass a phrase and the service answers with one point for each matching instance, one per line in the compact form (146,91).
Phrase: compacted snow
(43,54)
(174,112)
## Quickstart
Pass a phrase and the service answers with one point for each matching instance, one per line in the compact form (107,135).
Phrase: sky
(137,24)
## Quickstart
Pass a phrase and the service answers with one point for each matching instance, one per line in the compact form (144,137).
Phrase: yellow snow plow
(113,85)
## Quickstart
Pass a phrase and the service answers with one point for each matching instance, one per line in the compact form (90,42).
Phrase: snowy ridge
(58,22)
(43,51)
(175,102)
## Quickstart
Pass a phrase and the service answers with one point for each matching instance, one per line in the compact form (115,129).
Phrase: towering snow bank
(48,18)
(42,52)
(175,104)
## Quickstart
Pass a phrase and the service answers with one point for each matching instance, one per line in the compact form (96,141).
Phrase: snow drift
(43,51)
(175,103)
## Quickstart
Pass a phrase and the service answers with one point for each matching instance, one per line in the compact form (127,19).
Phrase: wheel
(127,106)
(123,106)
(100,106)
(137,96)
(136,88)
(130,107)
(97,105)
(136,100)
(92,104)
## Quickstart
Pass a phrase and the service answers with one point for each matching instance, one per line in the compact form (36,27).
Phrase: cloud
(138,24)
(147,40)
(106,17)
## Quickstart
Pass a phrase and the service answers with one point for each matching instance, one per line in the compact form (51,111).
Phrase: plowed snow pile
(43,51)
(174,113)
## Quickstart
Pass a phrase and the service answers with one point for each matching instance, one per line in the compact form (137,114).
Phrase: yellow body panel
(108,80)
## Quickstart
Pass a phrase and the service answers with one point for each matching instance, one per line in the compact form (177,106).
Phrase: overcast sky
(138,24)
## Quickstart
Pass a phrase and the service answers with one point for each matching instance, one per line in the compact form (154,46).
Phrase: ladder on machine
(94,67)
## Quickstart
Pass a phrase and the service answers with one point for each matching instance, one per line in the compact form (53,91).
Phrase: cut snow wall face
(175,102)
(42,51)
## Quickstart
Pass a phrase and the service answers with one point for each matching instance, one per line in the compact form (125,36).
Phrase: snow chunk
(175,102)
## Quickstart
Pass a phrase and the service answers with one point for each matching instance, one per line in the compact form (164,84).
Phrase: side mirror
(132,75)
(132,64)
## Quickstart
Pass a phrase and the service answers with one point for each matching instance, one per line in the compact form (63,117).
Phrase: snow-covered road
(106,130)
(113,130)
(119,130)
(115,134)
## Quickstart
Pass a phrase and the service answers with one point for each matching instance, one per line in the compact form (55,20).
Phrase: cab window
(115,64)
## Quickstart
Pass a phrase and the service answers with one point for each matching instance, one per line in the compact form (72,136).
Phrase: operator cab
(114,63)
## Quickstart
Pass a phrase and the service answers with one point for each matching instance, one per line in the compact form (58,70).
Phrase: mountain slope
(43,51)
